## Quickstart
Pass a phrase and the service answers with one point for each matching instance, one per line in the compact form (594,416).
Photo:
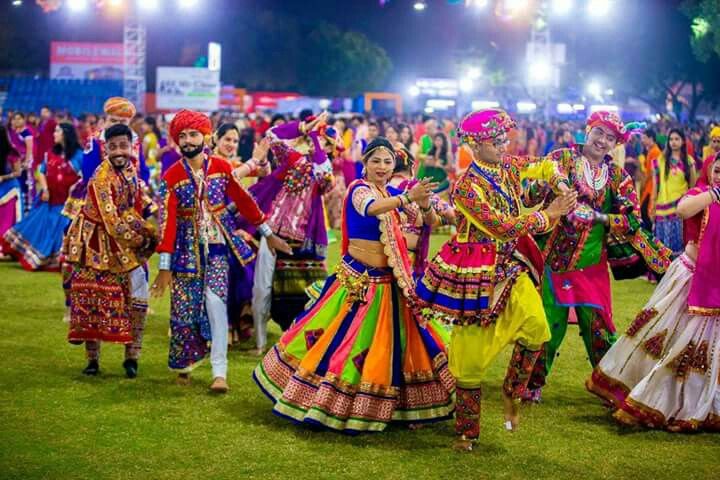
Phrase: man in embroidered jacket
(106,246)
(482,279)
(579,250)
(197,238)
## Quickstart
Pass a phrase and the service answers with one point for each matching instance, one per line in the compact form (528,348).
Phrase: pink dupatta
(704,298)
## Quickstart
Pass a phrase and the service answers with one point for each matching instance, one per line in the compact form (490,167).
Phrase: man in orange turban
(119,110)
(198,240)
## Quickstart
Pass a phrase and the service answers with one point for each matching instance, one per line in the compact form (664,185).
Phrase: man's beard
(191,151)
(124,164)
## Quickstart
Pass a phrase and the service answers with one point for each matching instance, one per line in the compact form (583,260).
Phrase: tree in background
(278,52)
(705,17)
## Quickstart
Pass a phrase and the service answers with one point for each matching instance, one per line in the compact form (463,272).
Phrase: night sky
(419,44)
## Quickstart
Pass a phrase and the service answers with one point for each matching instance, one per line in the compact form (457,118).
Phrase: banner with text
(187,87)
(86,60)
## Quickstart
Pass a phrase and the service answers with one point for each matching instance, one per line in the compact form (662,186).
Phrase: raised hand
(261,149)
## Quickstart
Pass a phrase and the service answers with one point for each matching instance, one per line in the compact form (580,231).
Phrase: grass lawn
(57,423)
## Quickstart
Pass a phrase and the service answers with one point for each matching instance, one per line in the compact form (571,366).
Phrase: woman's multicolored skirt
(36,241)
(665,371)
(358,359)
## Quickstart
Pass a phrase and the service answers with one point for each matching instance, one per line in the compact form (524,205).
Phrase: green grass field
(56,423)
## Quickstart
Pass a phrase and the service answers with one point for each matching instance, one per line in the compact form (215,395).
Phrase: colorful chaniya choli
(198,230)
(103,245)
(292,198)
(665,371)
(359,358)
(671,182)
(580,254)
(37,240)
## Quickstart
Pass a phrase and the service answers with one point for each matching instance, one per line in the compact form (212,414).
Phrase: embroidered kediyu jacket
(577,251)
(110,229)
(469,280)
(196,213)
(93,156)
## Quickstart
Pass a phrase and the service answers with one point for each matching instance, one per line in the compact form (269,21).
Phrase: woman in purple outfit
(291,197)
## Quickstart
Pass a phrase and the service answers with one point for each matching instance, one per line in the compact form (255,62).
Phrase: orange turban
(119,107)
(189,120)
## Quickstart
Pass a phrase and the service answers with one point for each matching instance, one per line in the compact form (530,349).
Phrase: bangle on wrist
(165,261)
(407,198)
(264,230)
(426,210)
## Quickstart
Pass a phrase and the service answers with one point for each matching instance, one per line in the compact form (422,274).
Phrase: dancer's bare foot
(183,379)
(511,410)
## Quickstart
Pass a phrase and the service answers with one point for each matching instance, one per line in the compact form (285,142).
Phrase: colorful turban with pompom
(611,121)
(485,125)
(189,120)
(119,107)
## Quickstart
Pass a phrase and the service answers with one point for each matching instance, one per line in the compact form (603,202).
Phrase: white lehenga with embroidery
(665,371)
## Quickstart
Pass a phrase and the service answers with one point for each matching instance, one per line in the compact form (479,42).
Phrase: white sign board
(187,87)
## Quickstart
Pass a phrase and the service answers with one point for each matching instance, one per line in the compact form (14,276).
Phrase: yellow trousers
(473,348)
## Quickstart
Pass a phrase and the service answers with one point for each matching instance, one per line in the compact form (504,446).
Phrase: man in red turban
(197,241)
(189,120)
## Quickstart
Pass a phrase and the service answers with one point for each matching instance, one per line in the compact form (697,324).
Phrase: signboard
(86,60)
(187,87)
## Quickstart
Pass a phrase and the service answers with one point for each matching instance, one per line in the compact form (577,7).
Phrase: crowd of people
(241,211)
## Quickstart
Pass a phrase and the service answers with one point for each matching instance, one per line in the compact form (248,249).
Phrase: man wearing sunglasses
(481,280)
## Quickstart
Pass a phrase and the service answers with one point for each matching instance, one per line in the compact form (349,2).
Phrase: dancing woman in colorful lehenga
(665,371)
(37,240)
(359,359)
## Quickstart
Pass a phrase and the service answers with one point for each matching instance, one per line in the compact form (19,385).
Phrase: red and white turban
(611,121)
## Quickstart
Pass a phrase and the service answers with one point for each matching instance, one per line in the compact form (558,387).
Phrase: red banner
(87,53)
